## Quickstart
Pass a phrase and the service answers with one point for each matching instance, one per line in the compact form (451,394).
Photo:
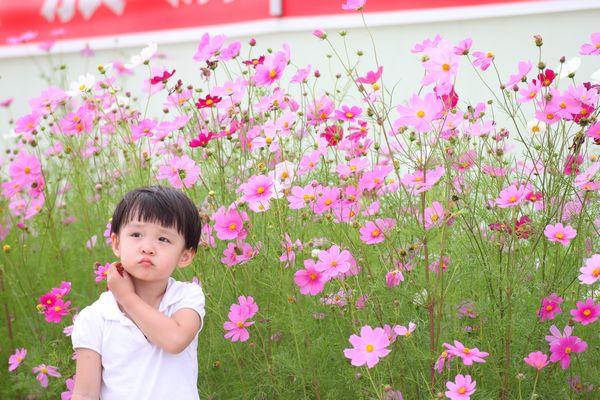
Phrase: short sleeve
(87,330)
(192,297)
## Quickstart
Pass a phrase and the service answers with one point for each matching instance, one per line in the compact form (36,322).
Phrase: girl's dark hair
(165,206)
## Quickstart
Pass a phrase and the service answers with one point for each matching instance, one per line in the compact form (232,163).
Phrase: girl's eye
(164,239)
(135,234)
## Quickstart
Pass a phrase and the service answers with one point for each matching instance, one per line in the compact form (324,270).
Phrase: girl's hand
(119,281)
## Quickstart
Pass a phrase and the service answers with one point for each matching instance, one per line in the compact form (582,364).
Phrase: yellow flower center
(462,390)
(559,235)
(420,113)
(82,87)
(587,312)
(369,348)
(466,350)
(260,190)
(27,170)
(268,140)
(490,55)
(57,308)
(240,324)
(434,217)
(272,74)
(209,102)
(596,272)
(550,116)
(549,308)
(334,263)
(375,233)
(568,350)
(328,202)
(375,86)
(512,199)
(284,175)
(446,67)
(232,227)
(349,115)
(312,276)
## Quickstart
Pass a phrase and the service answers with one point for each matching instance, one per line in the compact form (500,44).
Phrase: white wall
(509,36)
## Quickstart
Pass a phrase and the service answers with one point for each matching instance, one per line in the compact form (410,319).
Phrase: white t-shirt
(132,367)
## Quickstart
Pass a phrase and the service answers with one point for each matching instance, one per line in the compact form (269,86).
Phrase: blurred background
(53,42)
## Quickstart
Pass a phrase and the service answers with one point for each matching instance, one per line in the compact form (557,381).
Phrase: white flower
(595,78)
(535,126)
(147,53)
(82,85)
(569,67)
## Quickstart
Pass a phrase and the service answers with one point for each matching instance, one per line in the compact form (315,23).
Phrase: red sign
(72,19)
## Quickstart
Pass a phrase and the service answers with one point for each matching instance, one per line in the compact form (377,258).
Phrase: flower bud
(320,34)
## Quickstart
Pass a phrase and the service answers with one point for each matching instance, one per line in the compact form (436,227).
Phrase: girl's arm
(88,375)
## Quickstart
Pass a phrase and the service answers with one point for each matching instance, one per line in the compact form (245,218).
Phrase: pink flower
(180,171)
(404,331)
(208,47)
(353,5)
(15,360)
(468,355)
(419,113)
(556,335)
(310,280)
(270,70)
(58,310)
(371,77)
(348,113)
(101,271)
(369,347)
(511,196)
(550,306)
(393,278)
(434,215)
(43,371)
(333,262)
(558,233)
(319,33)
(562,349)
(229,224)
(513,80)
(461,389)
(590,274)
(362,301)
(68,394)
(25,169)
(374,232)
(537,360)
(421,181)
(236,326)
(258,192)
(591,49)
(483,60)
(247,306)
(587,312)
(462,48)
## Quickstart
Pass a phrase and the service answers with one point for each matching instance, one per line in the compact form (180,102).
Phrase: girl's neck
(150,292)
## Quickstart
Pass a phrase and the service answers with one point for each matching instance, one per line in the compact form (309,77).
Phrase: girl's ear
(186,258)
(115,244)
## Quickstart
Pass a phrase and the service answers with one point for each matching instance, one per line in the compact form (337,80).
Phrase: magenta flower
(15,359)
(43,371)
(463,47)
(371,77)
(101,271)
(550,306)
(591,49)
(562,349)
(421,181)
(420,112)
(461,389)
(537,360)
(559,233)
(310,280)
(25,169)
(229,224)
(587,312)
(348,113)
(434,215)
(270,70)
(468,355)
(58,310)
(258,192)
(180,171)
(590,274)
(353,5)
(246,307)
(236,326)
(68,394)
(369,347)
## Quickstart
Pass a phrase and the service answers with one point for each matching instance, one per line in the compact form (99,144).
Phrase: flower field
(358,243)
